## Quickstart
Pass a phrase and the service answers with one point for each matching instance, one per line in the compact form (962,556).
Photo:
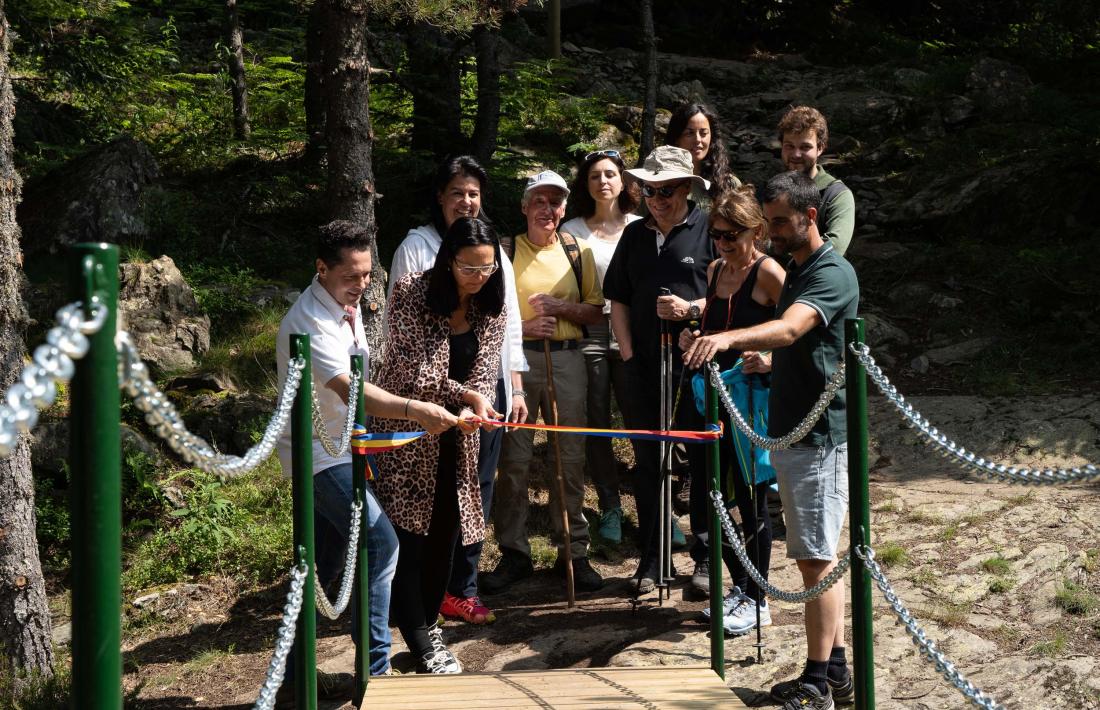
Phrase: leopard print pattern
(415,366)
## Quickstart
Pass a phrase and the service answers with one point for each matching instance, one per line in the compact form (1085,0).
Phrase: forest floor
(1005,578)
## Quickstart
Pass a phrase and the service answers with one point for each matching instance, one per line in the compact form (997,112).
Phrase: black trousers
(644,377)
(751,502)
(424,561)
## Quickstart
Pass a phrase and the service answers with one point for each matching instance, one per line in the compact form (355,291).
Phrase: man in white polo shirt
(328,311)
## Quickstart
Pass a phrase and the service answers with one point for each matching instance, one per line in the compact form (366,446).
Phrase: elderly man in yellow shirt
(559,294)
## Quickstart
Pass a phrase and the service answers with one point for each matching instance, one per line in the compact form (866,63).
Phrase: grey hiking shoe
(512,567)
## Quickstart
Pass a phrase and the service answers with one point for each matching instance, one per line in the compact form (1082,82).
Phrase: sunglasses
(465,270)
(665,191)
(602,154)
(730,236)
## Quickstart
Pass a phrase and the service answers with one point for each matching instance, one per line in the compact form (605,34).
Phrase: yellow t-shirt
(547,270)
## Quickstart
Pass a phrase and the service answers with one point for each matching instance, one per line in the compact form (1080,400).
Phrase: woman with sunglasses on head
(604,209)
(744,285)
(697,129)
(446,328)
(459,191)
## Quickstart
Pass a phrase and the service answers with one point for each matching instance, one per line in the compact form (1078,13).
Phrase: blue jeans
(332,498)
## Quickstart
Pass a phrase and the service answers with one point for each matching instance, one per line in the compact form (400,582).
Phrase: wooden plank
(661,687)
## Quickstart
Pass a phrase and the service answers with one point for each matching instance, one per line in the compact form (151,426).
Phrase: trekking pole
(662,511)
(567,538)
(757,527)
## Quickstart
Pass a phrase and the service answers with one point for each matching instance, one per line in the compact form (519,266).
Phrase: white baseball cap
(547,178)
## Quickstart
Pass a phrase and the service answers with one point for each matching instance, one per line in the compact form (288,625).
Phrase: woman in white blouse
(604,209)
(458,189)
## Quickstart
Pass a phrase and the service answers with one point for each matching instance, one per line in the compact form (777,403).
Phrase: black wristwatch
(694,311)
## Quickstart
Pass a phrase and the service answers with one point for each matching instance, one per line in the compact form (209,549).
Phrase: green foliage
(536,105)
(1052,647)
(240,529)
(997,565)
(1076,599)
(52,524)
(891,554)
(35,691)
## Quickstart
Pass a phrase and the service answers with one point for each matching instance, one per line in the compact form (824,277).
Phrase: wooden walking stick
(567,538)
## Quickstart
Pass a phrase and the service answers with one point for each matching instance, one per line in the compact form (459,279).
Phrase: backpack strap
(573,251)
(827,195)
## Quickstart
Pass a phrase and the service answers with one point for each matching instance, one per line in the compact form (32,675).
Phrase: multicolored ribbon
(369,444)
(713,432)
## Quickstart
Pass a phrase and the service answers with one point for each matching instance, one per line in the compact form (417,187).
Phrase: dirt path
(983,565)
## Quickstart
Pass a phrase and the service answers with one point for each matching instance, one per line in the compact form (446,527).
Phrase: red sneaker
(469,609)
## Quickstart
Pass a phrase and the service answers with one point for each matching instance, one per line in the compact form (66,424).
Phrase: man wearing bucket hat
(658,273)
(559,294)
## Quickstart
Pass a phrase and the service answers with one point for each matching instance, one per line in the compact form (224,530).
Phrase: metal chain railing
(949,449)
(276,669)
(764,442)
(327,608)
(734,536)
(928,648)
(52,363)
(161,414)
(321,428)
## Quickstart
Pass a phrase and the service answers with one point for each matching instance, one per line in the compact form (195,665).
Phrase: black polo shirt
(638,271)
(827,283)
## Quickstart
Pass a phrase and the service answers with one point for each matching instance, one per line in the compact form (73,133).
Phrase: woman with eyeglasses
(697,129)
(459,191)
(744,285)
(604,209)
(446,328)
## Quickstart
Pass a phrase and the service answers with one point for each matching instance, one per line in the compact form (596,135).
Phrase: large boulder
(227,422)
(50,447)
(996,85)
(95,198)
(160,312)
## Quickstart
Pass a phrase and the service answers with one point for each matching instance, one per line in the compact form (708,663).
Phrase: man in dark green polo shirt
(807,341)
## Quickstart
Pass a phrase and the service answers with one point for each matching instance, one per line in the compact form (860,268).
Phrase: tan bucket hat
(667,162)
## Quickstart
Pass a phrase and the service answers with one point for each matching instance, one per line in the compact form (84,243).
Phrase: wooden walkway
(656,688)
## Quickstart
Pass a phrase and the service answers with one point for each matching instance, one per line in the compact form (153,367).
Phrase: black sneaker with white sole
(797,695)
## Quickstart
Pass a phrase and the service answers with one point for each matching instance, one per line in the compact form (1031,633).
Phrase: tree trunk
(435,80)
(484,142)
(24,614)
(315,82)
(649,112)
(241,127)
(351,193)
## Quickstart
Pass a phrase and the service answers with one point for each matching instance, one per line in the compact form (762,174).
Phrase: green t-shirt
(840,214)
(827,283)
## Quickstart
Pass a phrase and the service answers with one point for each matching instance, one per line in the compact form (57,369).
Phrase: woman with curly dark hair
(697,129)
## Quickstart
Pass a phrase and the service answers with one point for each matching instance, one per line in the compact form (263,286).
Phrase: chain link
(764,442)
(276,669)
(734,537)
(36,387)
(161,414)
(327,608)
(928,648)
(321,427)
(950,450)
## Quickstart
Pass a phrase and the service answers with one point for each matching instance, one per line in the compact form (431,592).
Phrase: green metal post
(362,588)
(96,495)
(714,483)
(859,519)
(301,438)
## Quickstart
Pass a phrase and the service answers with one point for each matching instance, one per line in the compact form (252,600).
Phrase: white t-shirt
(602,249)
(417,253)
(332,342)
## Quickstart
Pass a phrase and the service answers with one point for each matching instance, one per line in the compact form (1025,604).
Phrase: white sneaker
(728,602)
(742,618)
(439,659)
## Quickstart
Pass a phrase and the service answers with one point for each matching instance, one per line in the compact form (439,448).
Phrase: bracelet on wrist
(519,393)
(407,401)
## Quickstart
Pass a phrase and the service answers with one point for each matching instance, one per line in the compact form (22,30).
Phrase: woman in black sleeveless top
(744,285)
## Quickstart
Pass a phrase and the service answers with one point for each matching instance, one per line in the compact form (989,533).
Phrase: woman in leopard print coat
(446,327)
